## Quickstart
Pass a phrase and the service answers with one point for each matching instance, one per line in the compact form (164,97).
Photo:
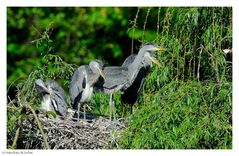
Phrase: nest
(98,133)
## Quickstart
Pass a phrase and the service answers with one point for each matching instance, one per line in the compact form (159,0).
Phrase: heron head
(148,54)
(97,67)
(41,87)
(152,47)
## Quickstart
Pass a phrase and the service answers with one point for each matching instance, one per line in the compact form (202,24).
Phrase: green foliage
(185,104)
(44,43)
(50,67)
(79,35)
(53,67)
(12,116)
(100,105)
(185,115)
(174,110)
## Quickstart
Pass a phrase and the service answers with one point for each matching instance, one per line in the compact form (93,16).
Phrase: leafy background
(185,104)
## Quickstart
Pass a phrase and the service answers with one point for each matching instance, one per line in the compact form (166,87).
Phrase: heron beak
(102,74)
(46,90)
(41,86)
(161,49)
(154,60)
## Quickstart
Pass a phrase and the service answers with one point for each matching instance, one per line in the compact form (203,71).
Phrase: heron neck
(134,67)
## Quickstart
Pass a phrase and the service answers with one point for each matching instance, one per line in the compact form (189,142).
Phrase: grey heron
(52,96)
(81,87)
(122,77)
(131,93)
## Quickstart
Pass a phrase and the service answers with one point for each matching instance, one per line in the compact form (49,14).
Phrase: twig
(157,39)
(184,56)
(39,126)
(199,61)
(145,22)
(133,27)
(17,133)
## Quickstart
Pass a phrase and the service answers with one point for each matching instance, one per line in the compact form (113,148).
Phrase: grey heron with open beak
(131,93)
(119,78)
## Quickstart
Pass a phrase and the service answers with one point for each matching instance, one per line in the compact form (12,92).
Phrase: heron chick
(82,81)
(52,96)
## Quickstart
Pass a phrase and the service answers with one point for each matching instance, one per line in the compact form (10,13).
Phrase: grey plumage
(52,96)
(128,60)
(116,78)
(131,93)
(121,78)
(83,79)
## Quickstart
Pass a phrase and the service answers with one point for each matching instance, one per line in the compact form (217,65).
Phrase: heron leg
(84,113)
(111,106)
(78,113)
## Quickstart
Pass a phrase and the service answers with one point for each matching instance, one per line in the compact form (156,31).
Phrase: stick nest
(99,133)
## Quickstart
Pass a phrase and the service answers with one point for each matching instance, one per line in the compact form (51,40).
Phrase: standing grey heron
(81,87)
(121,78)
(52,96)
(116,78)
(131,93)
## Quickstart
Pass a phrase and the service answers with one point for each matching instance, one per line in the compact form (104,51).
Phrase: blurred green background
(185,104)
(79,35)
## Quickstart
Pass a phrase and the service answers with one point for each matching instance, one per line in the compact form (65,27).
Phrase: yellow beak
(102,74)
(161,49)
(154,60)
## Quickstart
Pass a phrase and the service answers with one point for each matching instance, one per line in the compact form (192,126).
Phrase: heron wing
(130,94)
(115,76)
(84,82)
(128,60)
(58,98)
(56,87)
(59,103)
(115,70)
(78,82)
